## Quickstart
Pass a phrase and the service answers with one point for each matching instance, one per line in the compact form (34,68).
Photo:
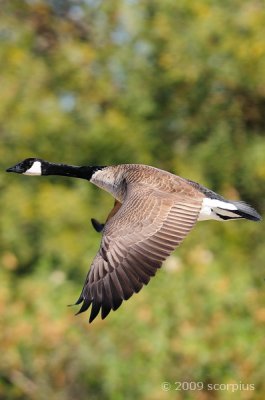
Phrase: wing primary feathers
(107,290)
(143,276)
(117,283)
(141,271)
(117,294)
(94,311)
(137,285)
(79,300)
(148,267)
(106,301)
(96,302)
(84,306)
(125,284)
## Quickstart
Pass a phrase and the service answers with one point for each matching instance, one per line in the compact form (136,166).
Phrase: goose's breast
(111,180)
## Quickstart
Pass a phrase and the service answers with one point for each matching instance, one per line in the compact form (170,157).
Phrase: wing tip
(86,304)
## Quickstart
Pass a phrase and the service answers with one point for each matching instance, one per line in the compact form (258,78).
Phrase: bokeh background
(179,85)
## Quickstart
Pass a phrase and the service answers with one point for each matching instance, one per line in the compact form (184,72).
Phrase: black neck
(70,170)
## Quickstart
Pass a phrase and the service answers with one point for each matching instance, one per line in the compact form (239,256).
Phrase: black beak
(16,168)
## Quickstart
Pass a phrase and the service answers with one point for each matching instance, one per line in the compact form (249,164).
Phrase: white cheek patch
(35,169)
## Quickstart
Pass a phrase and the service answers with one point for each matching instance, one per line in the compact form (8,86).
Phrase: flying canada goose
(153,212)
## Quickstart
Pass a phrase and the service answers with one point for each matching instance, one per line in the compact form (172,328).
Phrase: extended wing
(148,226)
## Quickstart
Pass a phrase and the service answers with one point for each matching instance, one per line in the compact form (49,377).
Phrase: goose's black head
(37,166)
(30,166)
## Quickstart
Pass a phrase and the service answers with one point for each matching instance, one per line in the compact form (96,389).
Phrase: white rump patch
(211,206)
(34,170)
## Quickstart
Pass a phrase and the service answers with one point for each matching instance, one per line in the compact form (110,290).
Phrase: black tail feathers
(244,210)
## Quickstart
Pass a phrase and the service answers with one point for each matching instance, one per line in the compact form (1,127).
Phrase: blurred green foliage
(175,84)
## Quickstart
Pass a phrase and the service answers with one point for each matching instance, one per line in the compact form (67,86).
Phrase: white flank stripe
(213,203)
(212,206)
